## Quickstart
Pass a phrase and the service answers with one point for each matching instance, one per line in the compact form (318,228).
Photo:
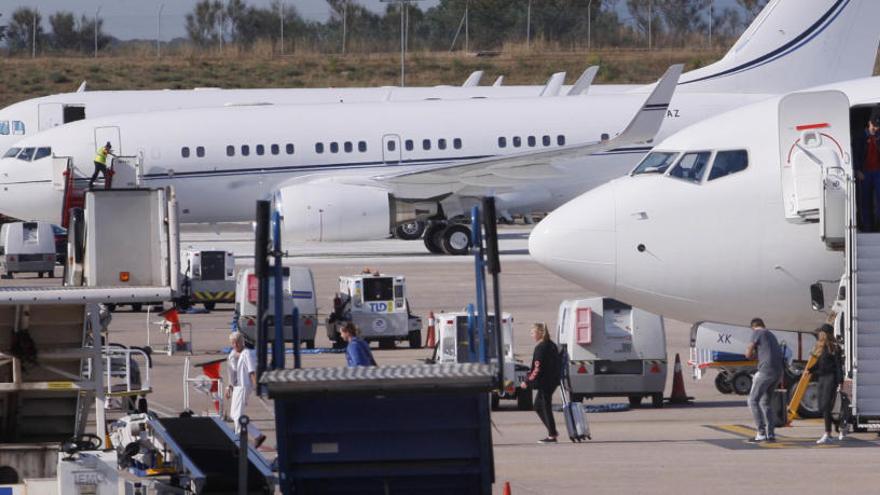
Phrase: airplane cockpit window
(17,128)
(11,152)
(655,163)
(26,154)
(42,153)
(729,162)
(691,166)
(4,127)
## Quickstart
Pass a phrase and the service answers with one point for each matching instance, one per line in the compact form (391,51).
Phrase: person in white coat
(242,367)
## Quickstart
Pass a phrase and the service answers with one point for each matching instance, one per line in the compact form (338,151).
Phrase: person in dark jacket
(829,372)
(357,352)
(544,377)
(866,165)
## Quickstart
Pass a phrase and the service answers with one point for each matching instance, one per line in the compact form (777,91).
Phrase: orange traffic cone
(679,396)
(173,317)
(431,338)
(506,488)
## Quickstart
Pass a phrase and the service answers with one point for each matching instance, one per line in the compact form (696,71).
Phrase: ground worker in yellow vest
(101,163)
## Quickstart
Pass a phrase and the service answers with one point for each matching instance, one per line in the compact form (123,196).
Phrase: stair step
(869,340)
(868,314)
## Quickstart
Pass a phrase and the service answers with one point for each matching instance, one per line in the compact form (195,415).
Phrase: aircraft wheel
(410,231)
(742,383)
(722,383)
(432,237)
(457,240)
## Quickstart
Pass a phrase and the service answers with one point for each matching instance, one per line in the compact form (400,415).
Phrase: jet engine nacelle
(334,212)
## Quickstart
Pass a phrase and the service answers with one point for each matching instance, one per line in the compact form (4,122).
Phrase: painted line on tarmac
(745,433)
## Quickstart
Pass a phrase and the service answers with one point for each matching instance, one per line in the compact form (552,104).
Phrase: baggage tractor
(575,419)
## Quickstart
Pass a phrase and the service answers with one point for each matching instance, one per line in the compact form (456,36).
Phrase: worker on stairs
(101,165)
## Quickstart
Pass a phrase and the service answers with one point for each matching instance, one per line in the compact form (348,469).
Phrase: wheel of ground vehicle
(142,406)
(137,307)
(51,274)
(184,303)
(40,274)
(415,339)
(657,400)
(432,237)
(494,401)
(386,343)
(635,400)
(722,382)
(809,406)
(741,383)
(209,305)
(338,343)
(524,399)
(310,344)
(456,239)
(410,231)
(111,307)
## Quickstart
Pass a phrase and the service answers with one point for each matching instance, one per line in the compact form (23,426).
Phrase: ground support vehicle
(208,278)
(27,247)
(299,294)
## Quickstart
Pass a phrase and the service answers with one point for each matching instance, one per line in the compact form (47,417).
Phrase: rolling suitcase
(575,419)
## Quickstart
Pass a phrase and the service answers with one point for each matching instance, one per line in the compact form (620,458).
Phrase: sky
(136,19)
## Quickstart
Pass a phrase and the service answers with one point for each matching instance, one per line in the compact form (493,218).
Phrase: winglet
(498,82)
(582,85)
(473,79)
(554,84)
(81,88)
(647,122)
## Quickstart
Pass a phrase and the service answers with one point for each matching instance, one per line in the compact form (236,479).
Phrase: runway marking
(745,433)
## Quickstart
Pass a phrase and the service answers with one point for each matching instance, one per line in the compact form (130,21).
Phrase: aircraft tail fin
(796,44)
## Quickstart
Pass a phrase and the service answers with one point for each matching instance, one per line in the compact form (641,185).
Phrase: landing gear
(410,231)
(432,237)
(444,238)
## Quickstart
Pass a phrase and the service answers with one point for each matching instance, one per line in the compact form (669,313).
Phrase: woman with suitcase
(829,372)
(544,378)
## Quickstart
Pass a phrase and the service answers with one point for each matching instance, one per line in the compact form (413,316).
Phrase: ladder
(130,168)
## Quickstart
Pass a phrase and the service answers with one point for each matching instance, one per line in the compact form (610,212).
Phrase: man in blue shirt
(770,363)
(357,353)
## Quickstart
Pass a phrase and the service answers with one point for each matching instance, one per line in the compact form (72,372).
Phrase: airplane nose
(577,241)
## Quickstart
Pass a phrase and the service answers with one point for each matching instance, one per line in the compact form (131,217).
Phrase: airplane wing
(513,169)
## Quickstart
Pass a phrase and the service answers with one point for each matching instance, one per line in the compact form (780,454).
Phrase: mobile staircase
(72,182)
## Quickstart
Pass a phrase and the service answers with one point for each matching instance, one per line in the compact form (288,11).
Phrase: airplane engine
(334,212)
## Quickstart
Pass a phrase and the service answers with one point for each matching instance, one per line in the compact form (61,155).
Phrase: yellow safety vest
(101,156)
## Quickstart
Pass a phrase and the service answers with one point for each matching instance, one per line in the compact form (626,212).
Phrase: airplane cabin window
(560,140)
(260,149)
(230,150)
(426,144)
(26,154)
(456,143)
(532,141)
(729,162)
(517,141)
(348,147)
(655,163)
(391,145)
(545,140)
(4,127)
(200,151)
(11,152)
(362,146)
(441,144)
(334,147)
(275,149)
(42,153)
(289,148)
(184,152)
(502,142)
(691,166)
(17,128)
(245,150)
(409,145)
(319,148)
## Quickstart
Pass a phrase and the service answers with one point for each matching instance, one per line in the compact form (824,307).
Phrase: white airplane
(730,219)
(346,172)
(28,117)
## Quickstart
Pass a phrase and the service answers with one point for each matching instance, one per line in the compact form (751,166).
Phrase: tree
(683,17)
(753,7)
(205,24)
(645,15)
(20,32)
(87,34)
(64,35)
(2,31)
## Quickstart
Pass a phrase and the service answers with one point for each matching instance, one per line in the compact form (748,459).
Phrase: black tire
(432,237)
(741,383)
(657,400)
(40,274)
(184,303)
(635,400)
(209,305)
(722,383)
(456,240)
(415,339)
(524,399)
(494,401)
(387,343)
(111,307)
(142,406)
(410,231)
(310,344)
(137,307)
(51,274)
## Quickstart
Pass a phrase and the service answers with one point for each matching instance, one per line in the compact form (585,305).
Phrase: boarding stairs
(73,182)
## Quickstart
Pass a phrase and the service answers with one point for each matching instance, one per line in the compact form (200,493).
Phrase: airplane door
(49,115)
(814,152)
(108,135)
(391,152)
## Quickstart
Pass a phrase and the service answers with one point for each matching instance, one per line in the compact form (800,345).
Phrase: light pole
(650,21)
(281,20)
(97,11)
(344,24)
(34,35)
(402,4)
(529,26)
(158,28)
(590,26)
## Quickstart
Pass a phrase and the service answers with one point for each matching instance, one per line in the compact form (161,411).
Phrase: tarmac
(698,448)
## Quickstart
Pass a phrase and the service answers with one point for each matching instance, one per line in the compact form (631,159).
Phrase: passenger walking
(866,164)
(242,368)
(770,364)
(357,352)
(101,163)
(544,378)
(829,372)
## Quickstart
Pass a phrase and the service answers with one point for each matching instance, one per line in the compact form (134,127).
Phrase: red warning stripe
(807,127)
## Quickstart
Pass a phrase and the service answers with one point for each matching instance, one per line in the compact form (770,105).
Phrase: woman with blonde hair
(829,371)
(544,377)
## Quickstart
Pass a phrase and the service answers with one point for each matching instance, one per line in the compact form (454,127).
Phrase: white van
(613,350)
(299,292)
(208,277)
(28,247)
